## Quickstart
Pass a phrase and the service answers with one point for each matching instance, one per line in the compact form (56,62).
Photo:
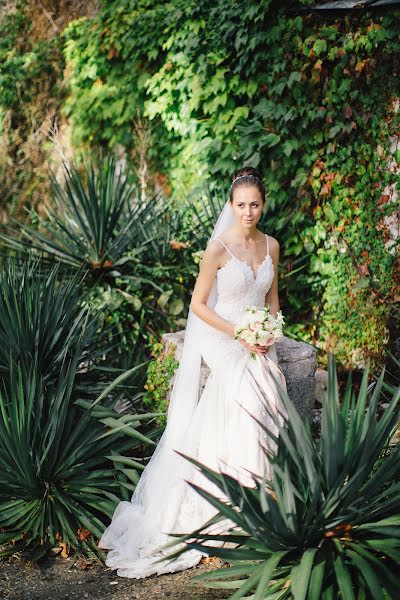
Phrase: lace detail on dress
(237,288)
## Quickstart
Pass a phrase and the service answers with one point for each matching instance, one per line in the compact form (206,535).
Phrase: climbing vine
(158,380)
(310,102)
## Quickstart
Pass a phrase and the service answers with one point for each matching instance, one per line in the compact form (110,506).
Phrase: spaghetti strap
(227,249)
(267,244)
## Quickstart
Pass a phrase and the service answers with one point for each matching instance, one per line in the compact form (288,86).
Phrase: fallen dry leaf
(64,552)
(210,560)
(83,533)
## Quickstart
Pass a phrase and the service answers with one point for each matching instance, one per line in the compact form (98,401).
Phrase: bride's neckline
(233,257)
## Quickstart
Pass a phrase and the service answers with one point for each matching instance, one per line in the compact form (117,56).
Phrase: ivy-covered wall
(32,91)
(190,91)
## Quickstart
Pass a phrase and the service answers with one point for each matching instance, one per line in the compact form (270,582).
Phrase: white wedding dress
(222,434)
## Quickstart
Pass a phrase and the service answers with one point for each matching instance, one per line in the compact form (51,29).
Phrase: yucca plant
(42,315)
(127,246)
(327,525)
(94,220)
(63,465)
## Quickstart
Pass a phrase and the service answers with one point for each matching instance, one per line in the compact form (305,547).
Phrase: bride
(220,429)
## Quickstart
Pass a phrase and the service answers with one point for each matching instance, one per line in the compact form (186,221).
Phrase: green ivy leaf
(319,47)
(164,297)
(176,306)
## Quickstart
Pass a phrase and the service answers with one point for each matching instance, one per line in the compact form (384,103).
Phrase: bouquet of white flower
(258,327)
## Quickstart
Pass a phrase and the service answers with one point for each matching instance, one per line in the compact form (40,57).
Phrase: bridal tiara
(249,175)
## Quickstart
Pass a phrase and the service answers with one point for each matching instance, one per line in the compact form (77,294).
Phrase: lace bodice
(238,286)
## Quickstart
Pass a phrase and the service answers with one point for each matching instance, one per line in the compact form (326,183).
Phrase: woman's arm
(272,296)
(212,260)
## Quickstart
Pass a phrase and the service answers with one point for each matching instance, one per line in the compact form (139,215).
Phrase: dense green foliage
(159,375)
(31,92)
(65,453)
(125,245)
(327,525)
(309,103)
(184,93)
(190,92)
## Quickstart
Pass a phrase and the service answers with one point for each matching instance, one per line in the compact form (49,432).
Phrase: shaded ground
(62,579)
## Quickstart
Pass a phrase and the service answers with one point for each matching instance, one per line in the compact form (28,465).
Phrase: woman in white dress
(239,268)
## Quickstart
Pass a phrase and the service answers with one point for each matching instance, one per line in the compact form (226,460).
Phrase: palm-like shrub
(328,524)
(42,318)
(136,273)
(62,461)
(62,467)
(94,219)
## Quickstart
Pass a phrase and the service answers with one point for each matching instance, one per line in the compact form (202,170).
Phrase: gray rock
(321,385)
(296,359)
(298,363)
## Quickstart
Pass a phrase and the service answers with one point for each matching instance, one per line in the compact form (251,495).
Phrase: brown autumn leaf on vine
(316,77)
(112,53)
(330,176)
(360,66)
(318,65)
(325,190)
(347,111)
(383,199)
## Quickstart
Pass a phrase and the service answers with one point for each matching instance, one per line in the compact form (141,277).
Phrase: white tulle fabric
(217,429)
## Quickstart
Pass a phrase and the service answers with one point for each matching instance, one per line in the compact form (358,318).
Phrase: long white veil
(184,396)
(136,524)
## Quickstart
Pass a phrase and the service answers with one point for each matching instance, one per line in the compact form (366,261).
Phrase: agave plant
(94,219)
(63,464)
(126,245)
(327,525)
(41,319)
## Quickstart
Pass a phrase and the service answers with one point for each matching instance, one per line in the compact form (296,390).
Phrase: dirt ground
(56,578)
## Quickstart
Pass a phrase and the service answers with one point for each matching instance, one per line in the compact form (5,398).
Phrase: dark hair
(248,176)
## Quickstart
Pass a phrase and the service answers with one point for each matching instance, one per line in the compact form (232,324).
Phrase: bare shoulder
(273,243)
(214,253)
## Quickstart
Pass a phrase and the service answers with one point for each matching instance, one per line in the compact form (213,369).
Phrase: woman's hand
(257,349)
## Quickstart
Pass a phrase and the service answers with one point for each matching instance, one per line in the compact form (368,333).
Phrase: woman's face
(247,206)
